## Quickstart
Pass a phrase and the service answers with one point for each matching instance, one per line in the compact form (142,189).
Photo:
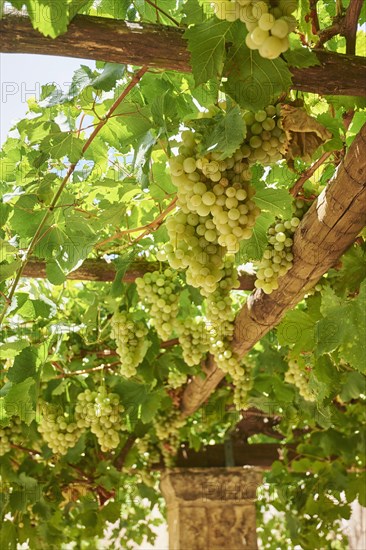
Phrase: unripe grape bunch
(216,212)
(297,375)
(159,292)
(193,338)
(265,141)
(130,337)
(277,258)
(176,379)
(58,429)
(242,386)
(167,426)
(220,316)
(269,22)
(10,434)
(101,411)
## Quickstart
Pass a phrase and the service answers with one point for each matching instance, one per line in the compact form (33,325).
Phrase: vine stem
(145,228)
(163,12)
(308,173)
(38,234)
(87,371)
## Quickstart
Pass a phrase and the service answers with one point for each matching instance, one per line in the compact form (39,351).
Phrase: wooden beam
(329,227)
(100,270)
(163,47)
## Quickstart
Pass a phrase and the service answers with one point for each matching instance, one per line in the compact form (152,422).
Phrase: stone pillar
(211,508)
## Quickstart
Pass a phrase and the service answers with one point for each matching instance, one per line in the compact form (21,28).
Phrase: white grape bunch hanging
(132,344)
(159,292)
(277,258)
(269,22)
(101,411)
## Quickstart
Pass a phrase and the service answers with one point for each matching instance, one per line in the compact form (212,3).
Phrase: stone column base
(211,509)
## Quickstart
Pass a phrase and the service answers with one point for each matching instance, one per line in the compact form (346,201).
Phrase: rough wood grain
(163,47)
(329,227)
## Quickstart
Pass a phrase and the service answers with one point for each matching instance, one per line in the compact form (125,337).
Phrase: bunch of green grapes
(269,22)
(130,337)
(266,140)
(147,450)
(193,338)
(216,212)
(217,189)
(317,288)
(277,258)
(10,434)
(176,379)
(58,429)
(102,413)
(167,428)
(297,375)
(159,292)
(219,310)
(242,386)
(220,316)
(189,249)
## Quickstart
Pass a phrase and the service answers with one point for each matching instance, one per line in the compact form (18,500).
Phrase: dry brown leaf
(304,133)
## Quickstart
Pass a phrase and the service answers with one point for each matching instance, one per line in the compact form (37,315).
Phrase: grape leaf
(63,144)
(253,248)
(354,386)
(21,400)
(275,201)
(50,18)
(225,133)
(301,58)
(206,42)
(108,78)
(252,81)
(193,13)
(297,330)
(8,270)
(344,326)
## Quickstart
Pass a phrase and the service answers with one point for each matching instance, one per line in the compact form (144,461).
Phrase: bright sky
(22,76)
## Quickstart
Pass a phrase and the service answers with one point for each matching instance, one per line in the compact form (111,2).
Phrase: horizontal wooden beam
(163,47)
(100,270)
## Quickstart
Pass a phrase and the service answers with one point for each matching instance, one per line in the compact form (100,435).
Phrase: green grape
(147,450)
(216,212)
(58,429)
(10,434)
(277,259)
(220,322)
(102,413)
(158,291)
(193,338)
(242,386)
(268,23)
(167,426)
(176,379)
(130,337)
(296,375)
(265,141)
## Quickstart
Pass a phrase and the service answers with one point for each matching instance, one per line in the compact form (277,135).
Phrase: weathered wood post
(211,508)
